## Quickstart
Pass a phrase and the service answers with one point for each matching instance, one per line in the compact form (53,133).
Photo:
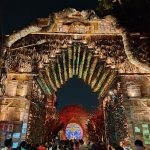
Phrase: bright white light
(84,41)
(70,41)
(111,93)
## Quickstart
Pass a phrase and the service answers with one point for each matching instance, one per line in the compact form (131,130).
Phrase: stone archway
(78,60)
(101,45)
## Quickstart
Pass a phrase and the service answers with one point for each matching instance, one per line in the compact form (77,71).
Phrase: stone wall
(137,105)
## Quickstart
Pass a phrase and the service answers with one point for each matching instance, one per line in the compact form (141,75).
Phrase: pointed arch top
(77,60)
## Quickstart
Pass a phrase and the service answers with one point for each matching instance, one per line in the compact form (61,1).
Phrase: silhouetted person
(139,145)
(22,145)
(8,144)
(119,148)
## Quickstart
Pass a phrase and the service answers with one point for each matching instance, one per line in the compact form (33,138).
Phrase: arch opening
(76,92)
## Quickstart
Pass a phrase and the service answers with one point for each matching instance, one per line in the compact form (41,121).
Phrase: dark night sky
(75,91)
(16,14)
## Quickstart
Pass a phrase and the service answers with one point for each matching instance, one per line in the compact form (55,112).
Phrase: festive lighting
(49,78)
(84,41)
(70,41)
(52,55)
(87,68)
(60,71)
(74,59)
(78,58)
(69,62)
(92,69)
(110,92)
(65,69)
(89,57)
(98,86)
(94,80)
(82,64)
(55,76)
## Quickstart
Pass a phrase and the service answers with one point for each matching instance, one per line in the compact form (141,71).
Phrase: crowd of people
(68,145)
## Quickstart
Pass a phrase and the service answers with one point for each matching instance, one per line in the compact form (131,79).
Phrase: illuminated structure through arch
(74,131)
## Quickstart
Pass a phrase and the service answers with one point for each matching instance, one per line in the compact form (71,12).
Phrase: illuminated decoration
(77,61)
(89,25)
(95,125)
(92,69)
(47,71)
(74,114)
(74,131)
(96,50)
(69,62)
(82,64)
(78,58)
(60,71)
(64,65)
(43,84)
(116,121)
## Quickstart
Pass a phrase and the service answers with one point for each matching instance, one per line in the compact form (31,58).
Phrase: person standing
(8,144)
(139,145)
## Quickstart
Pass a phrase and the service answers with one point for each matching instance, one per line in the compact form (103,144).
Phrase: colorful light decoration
(78,58)
(69,61)
(92,69)
(60,71)
(74,131)
(116,121)
(80,62)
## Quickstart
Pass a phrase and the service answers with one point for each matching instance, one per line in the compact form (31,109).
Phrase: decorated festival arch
(43,57)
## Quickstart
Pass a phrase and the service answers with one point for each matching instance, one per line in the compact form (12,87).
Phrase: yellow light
(111,93)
